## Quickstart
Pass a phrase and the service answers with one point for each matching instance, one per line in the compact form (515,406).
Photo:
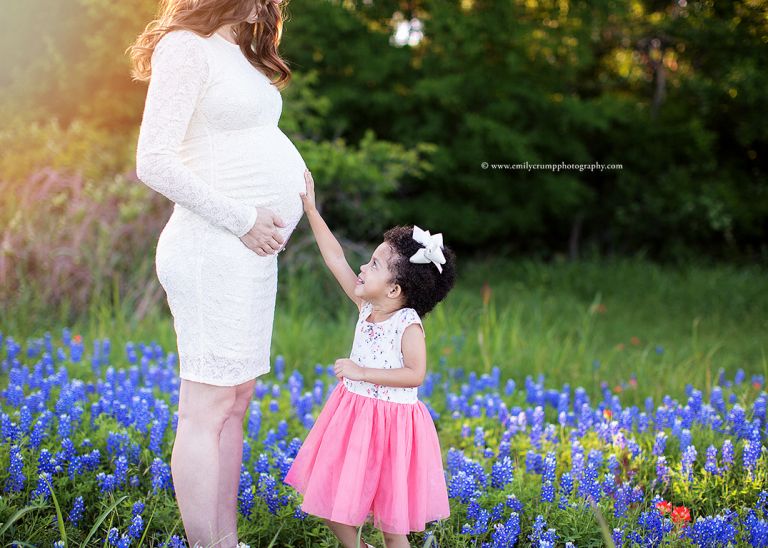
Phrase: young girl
(373,450)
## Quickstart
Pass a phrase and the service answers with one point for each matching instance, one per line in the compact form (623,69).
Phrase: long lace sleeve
(179,74)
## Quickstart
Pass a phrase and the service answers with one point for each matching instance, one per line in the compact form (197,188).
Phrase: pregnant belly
(257,166)
(262,167)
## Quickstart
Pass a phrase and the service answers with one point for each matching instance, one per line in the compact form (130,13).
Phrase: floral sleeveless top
(378,345)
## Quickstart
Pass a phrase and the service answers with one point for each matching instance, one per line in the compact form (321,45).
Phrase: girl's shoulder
(407,317)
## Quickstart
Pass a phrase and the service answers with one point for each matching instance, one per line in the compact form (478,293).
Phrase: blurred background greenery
(395,105)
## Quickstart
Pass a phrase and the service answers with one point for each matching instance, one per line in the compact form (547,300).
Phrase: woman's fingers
(277,221)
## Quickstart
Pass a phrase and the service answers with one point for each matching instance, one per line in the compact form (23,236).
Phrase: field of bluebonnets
(577,405)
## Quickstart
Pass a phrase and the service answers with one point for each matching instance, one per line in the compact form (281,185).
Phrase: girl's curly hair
(422,284)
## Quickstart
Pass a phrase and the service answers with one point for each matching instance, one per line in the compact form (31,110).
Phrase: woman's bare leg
(203,410)
(230,461)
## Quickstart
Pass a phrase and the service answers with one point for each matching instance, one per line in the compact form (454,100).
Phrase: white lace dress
(209,141)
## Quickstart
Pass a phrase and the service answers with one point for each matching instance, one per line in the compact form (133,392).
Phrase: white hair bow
(432,252)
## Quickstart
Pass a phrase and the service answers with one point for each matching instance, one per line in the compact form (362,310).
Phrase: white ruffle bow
(432,252)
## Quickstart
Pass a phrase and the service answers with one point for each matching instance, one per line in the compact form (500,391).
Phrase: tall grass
(579,323)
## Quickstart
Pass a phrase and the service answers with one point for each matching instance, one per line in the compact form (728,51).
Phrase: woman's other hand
(263,238)
(308,197)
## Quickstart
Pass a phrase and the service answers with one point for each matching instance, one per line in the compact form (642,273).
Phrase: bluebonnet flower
(463,486)
(739,377)
(589,487)
(755,526)
(245,497)
(711,463)
(541,536)
(533,462)
(566,487)
(537,423)
(737,418)
(136,528)
(298,513)
(752,451)
(121,470)
(685,440)
(76,514)
(46,462)
(617,535)
(514,504)
(43,488)
(686,463)
(16,478)
(480,516)
(712,531)
(654,526)
(624,496)
(727,454)
(176,542)
(137,508)
(113,536)
(509,387)
(161,475)
(479,436)
(107,482)
(659,444)
(267,491)
(501,473)
(548,478)
(505,534)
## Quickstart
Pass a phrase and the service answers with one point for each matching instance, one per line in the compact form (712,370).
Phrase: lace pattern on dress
(220,371)
(179,75)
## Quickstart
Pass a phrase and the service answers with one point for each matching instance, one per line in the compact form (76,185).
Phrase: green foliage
(633,82)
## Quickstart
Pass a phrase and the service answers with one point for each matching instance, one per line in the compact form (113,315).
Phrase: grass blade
(59,517)
(18,514)
(102,517)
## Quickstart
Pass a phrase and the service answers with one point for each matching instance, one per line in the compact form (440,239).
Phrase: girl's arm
(414,359)
(331,250)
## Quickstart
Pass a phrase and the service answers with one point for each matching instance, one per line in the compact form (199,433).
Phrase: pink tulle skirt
(369,458)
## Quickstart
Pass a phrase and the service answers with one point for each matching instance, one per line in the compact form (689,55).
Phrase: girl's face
(374,282)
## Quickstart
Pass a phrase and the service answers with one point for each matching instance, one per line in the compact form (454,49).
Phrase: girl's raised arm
(331,250)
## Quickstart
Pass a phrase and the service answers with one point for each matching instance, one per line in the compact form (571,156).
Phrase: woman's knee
(205,405)
(243,396)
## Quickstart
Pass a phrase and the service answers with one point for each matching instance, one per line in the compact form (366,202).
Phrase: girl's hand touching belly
(263,238)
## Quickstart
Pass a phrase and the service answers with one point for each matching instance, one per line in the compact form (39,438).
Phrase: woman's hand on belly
(264,238)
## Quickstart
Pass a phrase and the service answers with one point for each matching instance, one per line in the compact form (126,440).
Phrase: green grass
(541,319)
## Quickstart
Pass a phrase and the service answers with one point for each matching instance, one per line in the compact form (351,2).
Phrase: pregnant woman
(209,142)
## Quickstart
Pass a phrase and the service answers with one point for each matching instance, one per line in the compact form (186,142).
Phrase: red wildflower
(607,413)
(664,507)
(681,514)
(77,339)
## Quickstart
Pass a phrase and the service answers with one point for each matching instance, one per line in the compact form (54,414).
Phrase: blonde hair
(258,42)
